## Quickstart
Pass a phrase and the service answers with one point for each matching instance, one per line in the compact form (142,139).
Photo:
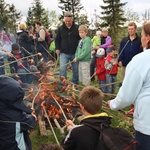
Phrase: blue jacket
(128,49)
(15,117)
(136,89)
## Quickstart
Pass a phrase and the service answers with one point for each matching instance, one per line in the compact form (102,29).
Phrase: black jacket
(15,117)
(85,135)
(67,39)
(24,40)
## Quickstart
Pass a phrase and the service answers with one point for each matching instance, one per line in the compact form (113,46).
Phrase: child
(85,135)
(100,68)
(21,66)
(83,55)
(15,118)
(111,65)
(96,40)
(50,147)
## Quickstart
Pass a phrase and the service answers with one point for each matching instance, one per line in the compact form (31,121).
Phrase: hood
(97,120)
(21,31)
(11,95)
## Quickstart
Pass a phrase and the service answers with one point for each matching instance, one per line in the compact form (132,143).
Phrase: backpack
(47,38)
(112,138)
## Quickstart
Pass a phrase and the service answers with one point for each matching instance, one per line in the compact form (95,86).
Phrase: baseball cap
(110,49)
(100,52)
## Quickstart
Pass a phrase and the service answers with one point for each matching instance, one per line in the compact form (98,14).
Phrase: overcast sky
(138,6)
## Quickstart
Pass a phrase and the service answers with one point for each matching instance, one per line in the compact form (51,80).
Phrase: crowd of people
(88,58)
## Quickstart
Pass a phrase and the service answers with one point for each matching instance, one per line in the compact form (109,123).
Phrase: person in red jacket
(100,68)
(111,65)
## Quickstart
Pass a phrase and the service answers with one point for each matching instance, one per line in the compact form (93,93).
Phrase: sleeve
(85,50)
(107,43)
(42,35)
(125,96)
(27,122)
(58,39)
(121,51)
(69,142)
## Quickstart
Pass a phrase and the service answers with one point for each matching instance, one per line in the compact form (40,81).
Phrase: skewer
(42,104)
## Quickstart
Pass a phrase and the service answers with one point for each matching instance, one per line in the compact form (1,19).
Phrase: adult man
(66,43)
(41,44)
(129,47)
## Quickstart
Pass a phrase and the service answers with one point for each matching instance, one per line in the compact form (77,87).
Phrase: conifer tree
(73,6)
(113,17)
(3,14)
(37,13)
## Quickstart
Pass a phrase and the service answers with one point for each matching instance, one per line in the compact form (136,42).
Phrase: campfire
(53,101)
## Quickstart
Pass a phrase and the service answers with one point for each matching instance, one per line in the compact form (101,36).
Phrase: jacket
(67,39)
(136,89)
(96,41)
(83,52)
(15,117)
(14,66)
(110,68)
(128,49)
(100,69)
(105,42)
(85,135)
(41,44)
(24,40)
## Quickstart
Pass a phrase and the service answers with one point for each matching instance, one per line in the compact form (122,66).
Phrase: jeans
(64,59)
(102,85)
(143,141)
(110,79)
(26,78)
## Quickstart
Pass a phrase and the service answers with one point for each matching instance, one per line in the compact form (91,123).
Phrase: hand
(69,124)
(97,47)
(120,64)
(9,54)
(94,74)
(39,54)
(75,60)
(93,52)
(57,51)
(108,103)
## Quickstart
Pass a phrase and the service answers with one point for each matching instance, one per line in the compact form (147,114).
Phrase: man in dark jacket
(129,47)
(66,41)
(15,118)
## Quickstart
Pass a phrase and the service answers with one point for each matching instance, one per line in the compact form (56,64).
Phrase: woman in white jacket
(136,89)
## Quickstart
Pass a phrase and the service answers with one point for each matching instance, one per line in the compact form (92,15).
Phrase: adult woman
(136,89)
(23,38)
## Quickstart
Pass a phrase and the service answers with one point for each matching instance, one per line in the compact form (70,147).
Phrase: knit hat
(100,53)
(15,46)
(110,49)
(98,32)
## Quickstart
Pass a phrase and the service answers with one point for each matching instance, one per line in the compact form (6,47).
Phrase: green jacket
(83,52)
(96,41)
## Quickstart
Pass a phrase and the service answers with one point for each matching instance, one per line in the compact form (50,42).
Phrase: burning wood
(57,99)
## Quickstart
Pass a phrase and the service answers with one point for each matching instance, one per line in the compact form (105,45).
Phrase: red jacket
(100,69)
(109,62)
